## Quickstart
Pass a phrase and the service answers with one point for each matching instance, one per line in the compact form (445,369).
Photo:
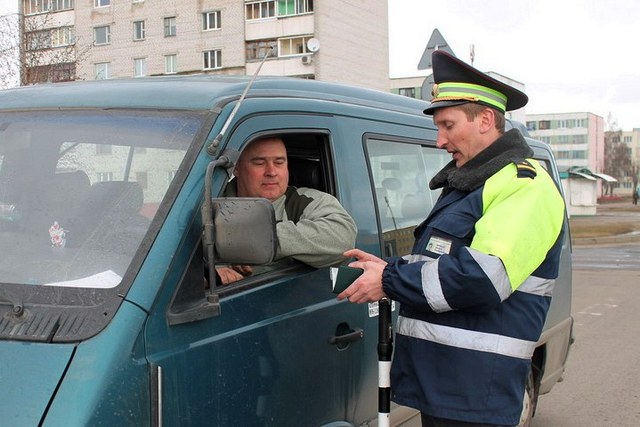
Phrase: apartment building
(329,40)
(47,30)
(632,140)
(577,139)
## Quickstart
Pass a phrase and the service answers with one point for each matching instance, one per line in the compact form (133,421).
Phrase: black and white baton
(385,350)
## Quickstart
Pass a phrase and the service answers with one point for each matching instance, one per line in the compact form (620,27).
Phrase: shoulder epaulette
(525,169)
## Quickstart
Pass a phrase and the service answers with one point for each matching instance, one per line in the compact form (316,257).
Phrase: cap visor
(441,104)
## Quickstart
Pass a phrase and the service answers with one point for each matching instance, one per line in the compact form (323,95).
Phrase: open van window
(309,166)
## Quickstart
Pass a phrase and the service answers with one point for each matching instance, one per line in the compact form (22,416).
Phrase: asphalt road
(601,384)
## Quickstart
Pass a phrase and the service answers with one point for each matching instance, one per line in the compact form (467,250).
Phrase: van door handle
(343,340)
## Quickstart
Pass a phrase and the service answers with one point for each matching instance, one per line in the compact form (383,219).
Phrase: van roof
(192,92)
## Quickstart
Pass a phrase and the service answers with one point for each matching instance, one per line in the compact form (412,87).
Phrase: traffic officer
(475,292)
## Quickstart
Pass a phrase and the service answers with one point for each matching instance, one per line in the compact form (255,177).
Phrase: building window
(170,64)
(138,30)
(212,59)
(139,67)
(41,6)
(38,40)
(293,46)
(211,20)
(102,70)
(170,26)
(35,6)
(407,91)
(62,72)
(102,35)
(61,5)
(579,139)
(260,10)
(257,50)
(45,39)
(101,3)
(294,7)
(62,36)
(532,125)
(544,124)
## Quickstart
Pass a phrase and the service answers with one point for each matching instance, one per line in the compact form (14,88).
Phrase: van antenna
(211,149)
(225,161)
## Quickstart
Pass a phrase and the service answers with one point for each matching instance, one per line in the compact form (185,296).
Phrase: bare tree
(9,51)
(38,48)
(635,170)
(617,158)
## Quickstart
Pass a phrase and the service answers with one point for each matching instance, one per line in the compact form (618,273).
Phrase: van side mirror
(244,230)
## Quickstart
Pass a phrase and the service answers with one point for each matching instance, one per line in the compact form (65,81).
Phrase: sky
(8,6)
(572,55)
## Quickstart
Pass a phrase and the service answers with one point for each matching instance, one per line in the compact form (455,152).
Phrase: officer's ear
(487,118)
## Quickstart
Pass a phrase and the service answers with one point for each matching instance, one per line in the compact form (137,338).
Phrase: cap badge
(435,90)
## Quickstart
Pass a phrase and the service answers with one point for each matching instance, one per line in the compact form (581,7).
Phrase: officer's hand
(367,287)
(363,256)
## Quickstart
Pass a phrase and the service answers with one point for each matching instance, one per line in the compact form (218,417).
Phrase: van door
(268,358)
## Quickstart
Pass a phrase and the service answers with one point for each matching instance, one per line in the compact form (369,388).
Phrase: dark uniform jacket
(475,292)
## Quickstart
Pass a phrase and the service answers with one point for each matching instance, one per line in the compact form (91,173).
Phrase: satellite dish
(313,45)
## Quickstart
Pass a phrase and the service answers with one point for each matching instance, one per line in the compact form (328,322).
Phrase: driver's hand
(245,270)
(228,275)
(233,273)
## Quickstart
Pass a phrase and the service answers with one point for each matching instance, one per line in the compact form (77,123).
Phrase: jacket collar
(510,147)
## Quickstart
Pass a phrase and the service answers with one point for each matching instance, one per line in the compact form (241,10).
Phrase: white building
(329,40)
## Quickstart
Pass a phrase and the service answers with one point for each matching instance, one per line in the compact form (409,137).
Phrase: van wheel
(529,402)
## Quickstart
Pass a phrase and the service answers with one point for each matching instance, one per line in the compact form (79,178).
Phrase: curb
(606,240)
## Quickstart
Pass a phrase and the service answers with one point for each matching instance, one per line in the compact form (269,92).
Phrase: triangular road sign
(436,42)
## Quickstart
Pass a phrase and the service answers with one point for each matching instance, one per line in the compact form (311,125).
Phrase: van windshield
(79,189)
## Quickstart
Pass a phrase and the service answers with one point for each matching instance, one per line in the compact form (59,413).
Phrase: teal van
(111,219)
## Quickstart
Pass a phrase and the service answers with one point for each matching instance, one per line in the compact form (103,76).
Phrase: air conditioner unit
(306,60)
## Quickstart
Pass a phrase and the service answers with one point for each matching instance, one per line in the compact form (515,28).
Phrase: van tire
(529,402)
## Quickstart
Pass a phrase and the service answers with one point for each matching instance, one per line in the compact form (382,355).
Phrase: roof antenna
(216,141)
(227,160)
